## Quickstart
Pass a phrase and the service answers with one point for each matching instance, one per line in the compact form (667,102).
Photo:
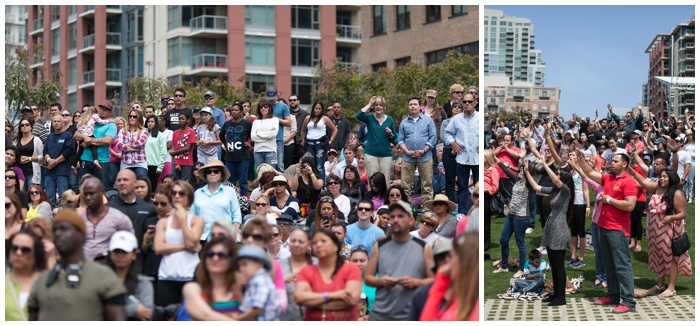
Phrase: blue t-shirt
(280,110)
(109,129)
(357,236)
(55,145)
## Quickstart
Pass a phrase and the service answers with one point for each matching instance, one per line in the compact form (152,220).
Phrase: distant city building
(502,95)
(395,35)
(15,29)
(672,55)
(509,48)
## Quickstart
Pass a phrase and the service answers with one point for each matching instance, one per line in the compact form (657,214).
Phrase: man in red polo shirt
(509,155)
(619,199)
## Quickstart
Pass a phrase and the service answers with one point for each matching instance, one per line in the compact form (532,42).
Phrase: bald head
(126,184)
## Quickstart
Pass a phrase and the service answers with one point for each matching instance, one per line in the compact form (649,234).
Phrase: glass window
(173,52)
(73,101)
(303,87)
(305,53)
(432,14)
(377,66)
(56,72)
(73,71)
(305,17)
(260,50)
(459,10)
(55,13)
(134,26)
(260,16)
(379,20)
(56,41)
(402,61)
(173,17)
(72,10)
(403,17)
(73,36)
(259,83)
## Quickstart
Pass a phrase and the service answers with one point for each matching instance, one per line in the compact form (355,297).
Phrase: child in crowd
(86,126)
(362,308)
(534,274)
(184,140)
(260,298)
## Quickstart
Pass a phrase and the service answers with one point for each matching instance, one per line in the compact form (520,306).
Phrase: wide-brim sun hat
(440,197)
(214,164)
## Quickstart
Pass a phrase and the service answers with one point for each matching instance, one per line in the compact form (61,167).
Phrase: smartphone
(151,227)
(325,218)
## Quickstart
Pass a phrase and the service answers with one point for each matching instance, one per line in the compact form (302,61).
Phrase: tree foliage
(19,91)
(344,84)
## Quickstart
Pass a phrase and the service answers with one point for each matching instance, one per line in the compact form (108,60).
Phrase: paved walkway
(680,307)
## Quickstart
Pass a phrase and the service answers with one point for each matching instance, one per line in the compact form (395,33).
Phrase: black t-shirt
(151,261)
(137,212)
(22,198)
(173,121)
(623,137)
(234,135)
(26,150)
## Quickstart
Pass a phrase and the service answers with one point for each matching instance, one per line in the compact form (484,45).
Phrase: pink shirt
(98,235)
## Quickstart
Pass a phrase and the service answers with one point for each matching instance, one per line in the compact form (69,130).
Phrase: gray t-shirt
(397,259)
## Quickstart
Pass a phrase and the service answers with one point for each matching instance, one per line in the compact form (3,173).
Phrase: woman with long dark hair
(353,187)
(667,210)
(396,193)
(306,183)
(377,193)
(555,237)
(11,163)
(314,137)
(124,260)
(264,134)
(30,153)
(215,294)
(26,261)
(156,147)
(331,289)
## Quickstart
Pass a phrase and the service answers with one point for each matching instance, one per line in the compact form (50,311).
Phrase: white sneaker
(542,251)
(529,231)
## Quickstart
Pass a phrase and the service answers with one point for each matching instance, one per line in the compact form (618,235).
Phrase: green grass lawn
(644,279)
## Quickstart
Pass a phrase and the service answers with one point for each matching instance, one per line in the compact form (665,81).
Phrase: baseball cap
(195,110)
(209,94)
(106,105)
(402,205)
(205,109)
(271,93)
(123,240)
(333,151)
(440,246)
(638,132)
(26,108)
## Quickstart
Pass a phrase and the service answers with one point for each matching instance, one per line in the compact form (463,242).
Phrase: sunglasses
(10,177)
(440,203)
(394,195)
(364,209)
(256,237)
(293,99)
(265,107)
(279,184)
(133,117)
(66,115)
(22,249)
(260,204)
(430,97)
(283,223)
(426,223)
(160,203)
(179,95)
(218,254)
(457,92)
(25,125)
(8,205)
(326,200)
(468,102)
(333,183)
(34,192)
(181,193)
(458,107)
(213,171)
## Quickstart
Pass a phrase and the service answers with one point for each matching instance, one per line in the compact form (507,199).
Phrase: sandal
(667,294)
(638,249)
(656,289)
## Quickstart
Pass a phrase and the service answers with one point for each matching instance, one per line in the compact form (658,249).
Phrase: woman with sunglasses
(216,294)
(262,211)
(26,261)
(156,147)
(11,162)
(281,200)
(215,200)
(39,205)
(30,151)
(331,289)
(300,249)
(396,193)
(124,261)
(333,183)
(314,137)
(426,230)
(115,154)
(12,187)
(132,141)
(264,134)
(177,239)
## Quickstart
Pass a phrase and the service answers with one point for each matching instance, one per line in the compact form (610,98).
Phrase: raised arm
(587,169)
(647,184)
(536,187)
(552,175)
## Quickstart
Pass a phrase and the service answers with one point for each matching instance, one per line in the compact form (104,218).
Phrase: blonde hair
(264,168)
(380,100)
(430,217)
(456,87)
(68,196)
(44,224)
(117,119)
(87,114)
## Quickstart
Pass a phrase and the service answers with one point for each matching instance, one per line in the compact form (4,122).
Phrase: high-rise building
(672,58)
(503,95)
(395,35)
(509,48)
(15,29)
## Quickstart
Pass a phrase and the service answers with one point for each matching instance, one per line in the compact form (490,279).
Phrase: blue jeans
(89,167)
(280,156)
(319,149)
(438,182)
(510,227)
(449,162)
(531,285)
(463,172)
(53,182)
(264,157)
(533,209)
(112,174)
(138,171)
(239,172)
(599,269)
(689,185)
(184,173)
(74,182)
(615,254)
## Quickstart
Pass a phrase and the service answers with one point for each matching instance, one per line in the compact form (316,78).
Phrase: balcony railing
(349,31)
(208,60)
(37,57)
(114,75)
(209,22)
(88,8)
(88,41)
(689,101)
(114,7)
(114,38)
(351,64)
(89,77)
(38,24)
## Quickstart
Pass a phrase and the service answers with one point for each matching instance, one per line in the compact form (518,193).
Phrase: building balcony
(688,35)
(686,103)
(209,26)
(38,25)
(689,46)
(113,79)
(88,11)
(350,34)
(36,61)
(688,68)
(350,65)
(114,43)
(208,64)
(114,10)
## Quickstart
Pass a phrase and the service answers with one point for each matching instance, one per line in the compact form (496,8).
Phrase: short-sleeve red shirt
(641,192)
(613,218)
(348,272)
(504,157)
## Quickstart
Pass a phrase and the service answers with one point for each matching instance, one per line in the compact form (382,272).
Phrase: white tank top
(316,132)
(179,266)
(578,190)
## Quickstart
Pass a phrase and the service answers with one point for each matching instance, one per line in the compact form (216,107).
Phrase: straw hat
(212,164)
(440,197)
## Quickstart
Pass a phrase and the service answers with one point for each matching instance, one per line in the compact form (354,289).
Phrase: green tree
(147,90)
(19,90)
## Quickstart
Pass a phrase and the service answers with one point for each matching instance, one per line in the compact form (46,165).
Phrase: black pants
(289,155)
(299,151)
(153,177)
(543,209)
(168,292)
(556,258)
(636,217)
(505,188)
(487,221)
(578,223)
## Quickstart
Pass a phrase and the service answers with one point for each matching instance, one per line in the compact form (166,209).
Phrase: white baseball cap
(123,240)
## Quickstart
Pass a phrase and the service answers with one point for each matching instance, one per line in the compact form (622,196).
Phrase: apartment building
(501,94)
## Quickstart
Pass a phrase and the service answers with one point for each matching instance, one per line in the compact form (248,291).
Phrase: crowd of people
(245,212)
(618,171)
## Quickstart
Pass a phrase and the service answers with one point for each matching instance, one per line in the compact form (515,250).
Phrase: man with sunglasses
(474,91)
(462,135)
(137,209)
(173,121)
(299,115)
(363,232)
(104,135)
(285,223)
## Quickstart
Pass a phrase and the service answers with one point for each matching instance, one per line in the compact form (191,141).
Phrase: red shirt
(613,218)
(506,158)
(641,193)
(180,139)
(348,272)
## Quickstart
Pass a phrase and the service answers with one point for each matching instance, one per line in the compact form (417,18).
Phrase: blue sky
(595,54)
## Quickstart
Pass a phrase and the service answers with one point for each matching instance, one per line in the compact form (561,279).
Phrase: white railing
(38,24)
(209,60)
(209,22)
(349,31)
(89,77)
(351,64)
(88,41)
(114,38)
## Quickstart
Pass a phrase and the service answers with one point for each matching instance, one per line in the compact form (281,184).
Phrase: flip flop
(637,249)
(667,294)
(656,289)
